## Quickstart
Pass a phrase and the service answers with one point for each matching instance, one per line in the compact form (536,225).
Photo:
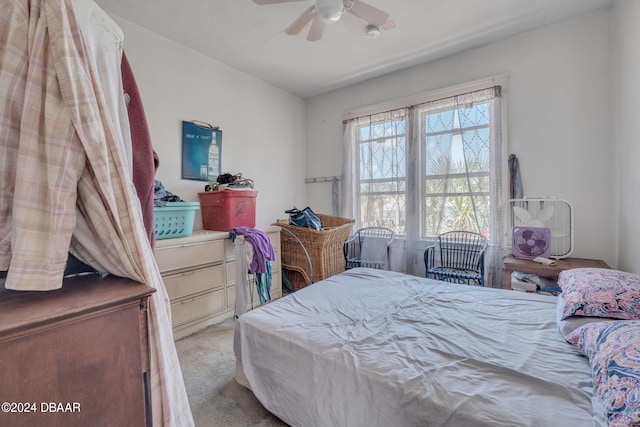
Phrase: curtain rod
(500,79)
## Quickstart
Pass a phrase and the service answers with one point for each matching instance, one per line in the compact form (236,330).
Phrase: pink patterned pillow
(600,292)
(613,349)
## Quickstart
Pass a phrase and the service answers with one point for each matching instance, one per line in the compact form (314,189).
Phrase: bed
(376,348)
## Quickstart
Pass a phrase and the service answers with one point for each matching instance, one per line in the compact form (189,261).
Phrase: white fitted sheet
(376,348)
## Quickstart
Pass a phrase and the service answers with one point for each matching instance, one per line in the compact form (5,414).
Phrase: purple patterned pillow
(600,292)
(613,349)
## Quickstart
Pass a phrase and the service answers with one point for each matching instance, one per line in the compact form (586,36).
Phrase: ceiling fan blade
(315,32)
(302,20)
(369,13)
(353,24)
(274,1)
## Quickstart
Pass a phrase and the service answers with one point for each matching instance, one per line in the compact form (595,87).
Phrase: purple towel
(262,247)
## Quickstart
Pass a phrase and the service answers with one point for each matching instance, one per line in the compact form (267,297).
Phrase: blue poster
(201,151)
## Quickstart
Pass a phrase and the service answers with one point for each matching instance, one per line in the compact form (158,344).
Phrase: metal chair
(457,257)
(369,247)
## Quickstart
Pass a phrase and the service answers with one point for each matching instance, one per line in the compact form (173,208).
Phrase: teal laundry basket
(175,219)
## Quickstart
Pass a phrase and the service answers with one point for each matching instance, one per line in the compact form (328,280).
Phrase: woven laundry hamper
(324,249)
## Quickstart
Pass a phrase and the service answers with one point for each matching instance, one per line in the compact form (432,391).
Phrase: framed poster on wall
(201,151)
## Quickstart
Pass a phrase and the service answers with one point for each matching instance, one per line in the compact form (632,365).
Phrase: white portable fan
(552,213)
(531,242)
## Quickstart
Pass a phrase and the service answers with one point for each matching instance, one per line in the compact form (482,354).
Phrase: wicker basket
(324,248)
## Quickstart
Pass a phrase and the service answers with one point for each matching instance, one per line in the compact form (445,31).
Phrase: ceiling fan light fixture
(328,11)
(372,31)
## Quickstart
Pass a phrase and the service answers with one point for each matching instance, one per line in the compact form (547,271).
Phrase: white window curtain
(426,169)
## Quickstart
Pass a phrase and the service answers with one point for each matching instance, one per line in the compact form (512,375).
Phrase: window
(382,165)
(456,146)
(427,168)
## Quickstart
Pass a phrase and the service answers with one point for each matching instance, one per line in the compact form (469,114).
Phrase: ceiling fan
(328,11)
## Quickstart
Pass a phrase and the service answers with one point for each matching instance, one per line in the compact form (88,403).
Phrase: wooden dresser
(199,272)
(76,356)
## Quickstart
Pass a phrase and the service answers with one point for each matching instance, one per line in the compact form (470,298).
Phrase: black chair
(458,257)
(369,247)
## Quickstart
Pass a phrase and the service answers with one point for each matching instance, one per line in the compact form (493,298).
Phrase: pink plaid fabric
(60,157)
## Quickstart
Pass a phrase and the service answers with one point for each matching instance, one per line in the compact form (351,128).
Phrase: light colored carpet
(216,399)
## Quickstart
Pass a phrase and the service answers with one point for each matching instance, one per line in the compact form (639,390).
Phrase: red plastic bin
(224,209)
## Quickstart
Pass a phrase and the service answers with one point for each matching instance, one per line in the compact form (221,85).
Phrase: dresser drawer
(188,256)
(275,241)
(276,285)
(191,282)
(196,308)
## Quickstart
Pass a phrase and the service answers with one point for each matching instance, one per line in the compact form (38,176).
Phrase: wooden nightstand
(512,264)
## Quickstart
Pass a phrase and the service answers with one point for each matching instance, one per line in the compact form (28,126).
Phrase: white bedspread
(373,348)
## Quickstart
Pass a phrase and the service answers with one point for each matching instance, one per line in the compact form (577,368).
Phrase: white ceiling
(251,38)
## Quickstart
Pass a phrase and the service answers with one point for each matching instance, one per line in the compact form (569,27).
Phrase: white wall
(559,122)
(627,133)
(263,127)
